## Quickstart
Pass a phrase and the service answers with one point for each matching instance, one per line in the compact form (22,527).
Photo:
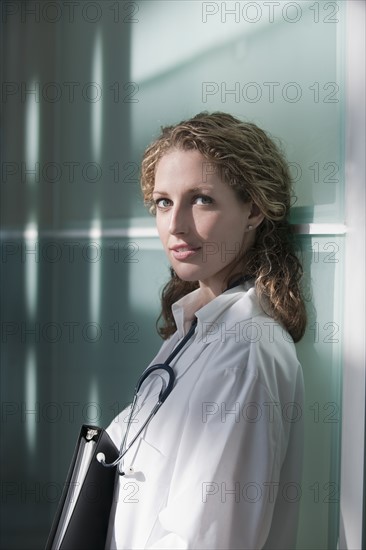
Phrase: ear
(255,217)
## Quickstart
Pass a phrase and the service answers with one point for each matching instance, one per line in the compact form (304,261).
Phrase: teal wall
(78,314)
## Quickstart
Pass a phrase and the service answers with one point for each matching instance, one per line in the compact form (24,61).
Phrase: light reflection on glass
(31,144)
(96,137)
(96,104)
(95,263)
(92,411)
(31,259)
(30,408)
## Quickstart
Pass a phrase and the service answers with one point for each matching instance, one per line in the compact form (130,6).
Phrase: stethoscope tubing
(124,450)
(164,392)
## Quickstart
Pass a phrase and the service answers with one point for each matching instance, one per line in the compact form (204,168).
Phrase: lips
(184,251)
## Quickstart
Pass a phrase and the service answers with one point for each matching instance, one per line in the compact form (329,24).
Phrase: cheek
(162,230)
(230,227)
(208,225)
(232,234)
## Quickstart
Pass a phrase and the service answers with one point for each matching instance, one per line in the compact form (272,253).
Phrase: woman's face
(201,223)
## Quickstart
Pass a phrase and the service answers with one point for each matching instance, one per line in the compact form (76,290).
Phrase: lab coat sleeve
(227,471)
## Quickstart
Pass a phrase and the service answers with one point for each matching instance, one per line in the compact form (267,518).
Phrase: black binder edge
(105,445)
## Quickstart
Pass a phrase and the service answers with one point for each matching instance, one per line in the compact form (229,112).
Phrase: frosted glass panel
(279,68)
(320,355)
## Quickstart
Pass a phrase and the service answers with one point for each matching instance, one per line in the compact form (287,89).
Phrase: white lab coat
(219,466)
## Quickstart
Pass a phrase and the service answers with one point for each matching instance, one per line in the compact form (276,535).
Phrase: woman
(219,465)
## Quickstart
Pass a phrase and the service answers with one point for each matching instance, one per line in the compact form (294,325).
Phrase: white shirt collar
(242,296)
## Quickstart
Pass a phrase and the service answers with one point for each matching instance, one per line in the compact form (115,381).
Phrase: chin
(189,275)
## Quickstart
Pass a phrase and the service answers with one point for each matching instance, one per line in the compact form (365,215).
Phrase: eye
(160,203)
(204,198)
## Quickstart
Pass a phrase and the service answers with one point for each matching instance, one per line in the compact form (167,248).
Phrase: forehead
(180,165)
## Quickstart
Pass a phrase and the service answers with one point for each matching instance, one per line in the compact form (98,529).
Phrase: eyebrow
(208,188)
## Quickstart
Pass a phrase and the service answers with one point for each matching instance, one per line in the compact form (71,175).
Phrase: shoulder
(246,340)
(244,323)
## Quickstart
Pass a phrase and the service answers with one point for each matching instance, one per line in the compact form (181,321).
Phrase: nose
(178,223)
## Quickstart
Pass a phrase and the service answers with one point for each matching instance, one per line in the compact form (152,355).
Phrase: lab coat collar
(240,301)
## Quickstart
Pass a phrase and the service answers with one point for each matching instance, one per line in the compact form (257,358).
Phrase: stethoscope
(164,392)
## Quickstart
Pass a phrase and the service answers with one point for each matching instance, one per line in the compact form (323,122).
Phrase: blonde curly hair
(253,165)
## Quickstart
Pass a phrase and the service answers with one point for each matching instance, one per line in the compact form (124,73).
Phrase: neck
(207,293)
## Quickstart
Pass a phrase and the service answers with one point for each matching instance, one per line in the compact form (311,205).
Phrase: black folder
(82,516)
